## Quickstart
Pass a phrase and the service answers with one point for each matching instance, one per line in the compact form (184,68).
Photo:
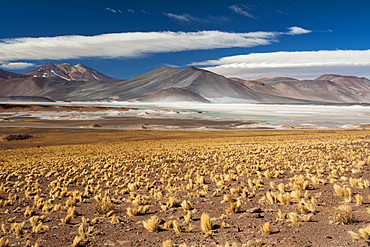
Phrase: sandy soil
(61,154)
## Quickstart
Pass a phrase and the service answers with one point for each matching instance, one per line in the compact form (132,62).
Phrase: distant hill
(6,75)
(65,82)
(213,87)
(324,89)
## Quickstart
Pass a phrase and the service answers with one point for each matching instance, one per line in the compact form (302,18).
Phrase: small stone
(255,210)
(109,243)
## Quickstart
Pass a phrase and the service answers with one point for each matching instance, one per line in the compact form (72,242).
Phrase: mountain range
(66,82)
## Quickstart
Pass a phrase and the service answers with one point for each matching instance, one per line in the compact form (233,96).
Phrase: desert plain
(127,181)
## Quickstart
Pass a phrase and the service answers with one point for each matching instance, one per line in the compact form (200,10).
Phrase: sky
(247,39)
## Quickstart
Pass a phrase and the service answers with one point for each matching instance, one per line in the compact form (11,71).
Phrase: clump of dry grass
(76,241)
(86,231)
(152,225)
(205,222)
(167,243)
(173,202)
(364,233)
(296,219)
(266,228)
(4,242)
(186,205)
(234,207)
(137,211)
(105,206)
(115,220)
(188,217)
(344,191)
(18,229)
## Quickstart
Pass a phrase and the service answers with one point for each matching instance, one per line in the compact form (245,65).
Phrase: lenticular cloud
(133,44)
(301,65)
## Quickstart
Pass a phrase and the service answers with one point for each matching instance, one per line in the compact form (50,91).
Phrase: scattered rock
(124,242)
(285,126)
(143,127)
(109,243)
(94,125)
(236,229)
(364,126)
(255,210)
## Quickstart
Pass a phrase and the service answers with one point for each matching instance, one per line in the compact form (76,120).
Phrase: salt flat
(262,115)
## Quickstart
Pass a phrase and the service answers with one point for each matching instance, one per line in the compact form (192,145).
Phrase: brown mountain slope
(174,95)
(29,86)
(81,72)
(350,81)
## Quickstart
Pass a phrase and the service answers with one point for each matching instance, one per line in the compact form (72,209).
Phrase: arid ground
(109,187)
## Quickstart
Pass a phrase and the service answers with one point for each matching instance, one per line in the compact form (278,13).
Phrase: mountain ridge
(66,82)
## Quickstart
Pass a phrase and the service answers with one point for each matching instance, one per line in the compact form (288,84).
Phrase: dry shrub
(343,215)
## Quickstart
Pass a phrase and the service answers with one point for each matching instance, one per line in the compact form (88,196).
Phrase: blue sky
(247,39)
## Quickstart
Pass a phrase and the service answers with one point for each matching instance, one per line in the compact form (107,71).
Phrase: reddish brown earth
(74,153)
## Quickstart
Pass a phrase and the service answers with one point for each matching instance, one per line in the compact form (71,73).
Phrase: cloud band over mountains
(302,64)
(134,44)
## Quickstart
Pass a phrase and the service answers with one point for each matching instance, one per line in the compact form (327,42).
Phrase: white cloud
(111,10)
(183,18)
(303,64)
(170,65)
(186,18)
(297,31)
(133,44)
(114,10)
(241,10)
(17,65)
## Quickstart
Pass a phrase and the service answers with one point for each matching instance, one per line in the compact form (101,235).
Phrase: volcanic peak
(67,72)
